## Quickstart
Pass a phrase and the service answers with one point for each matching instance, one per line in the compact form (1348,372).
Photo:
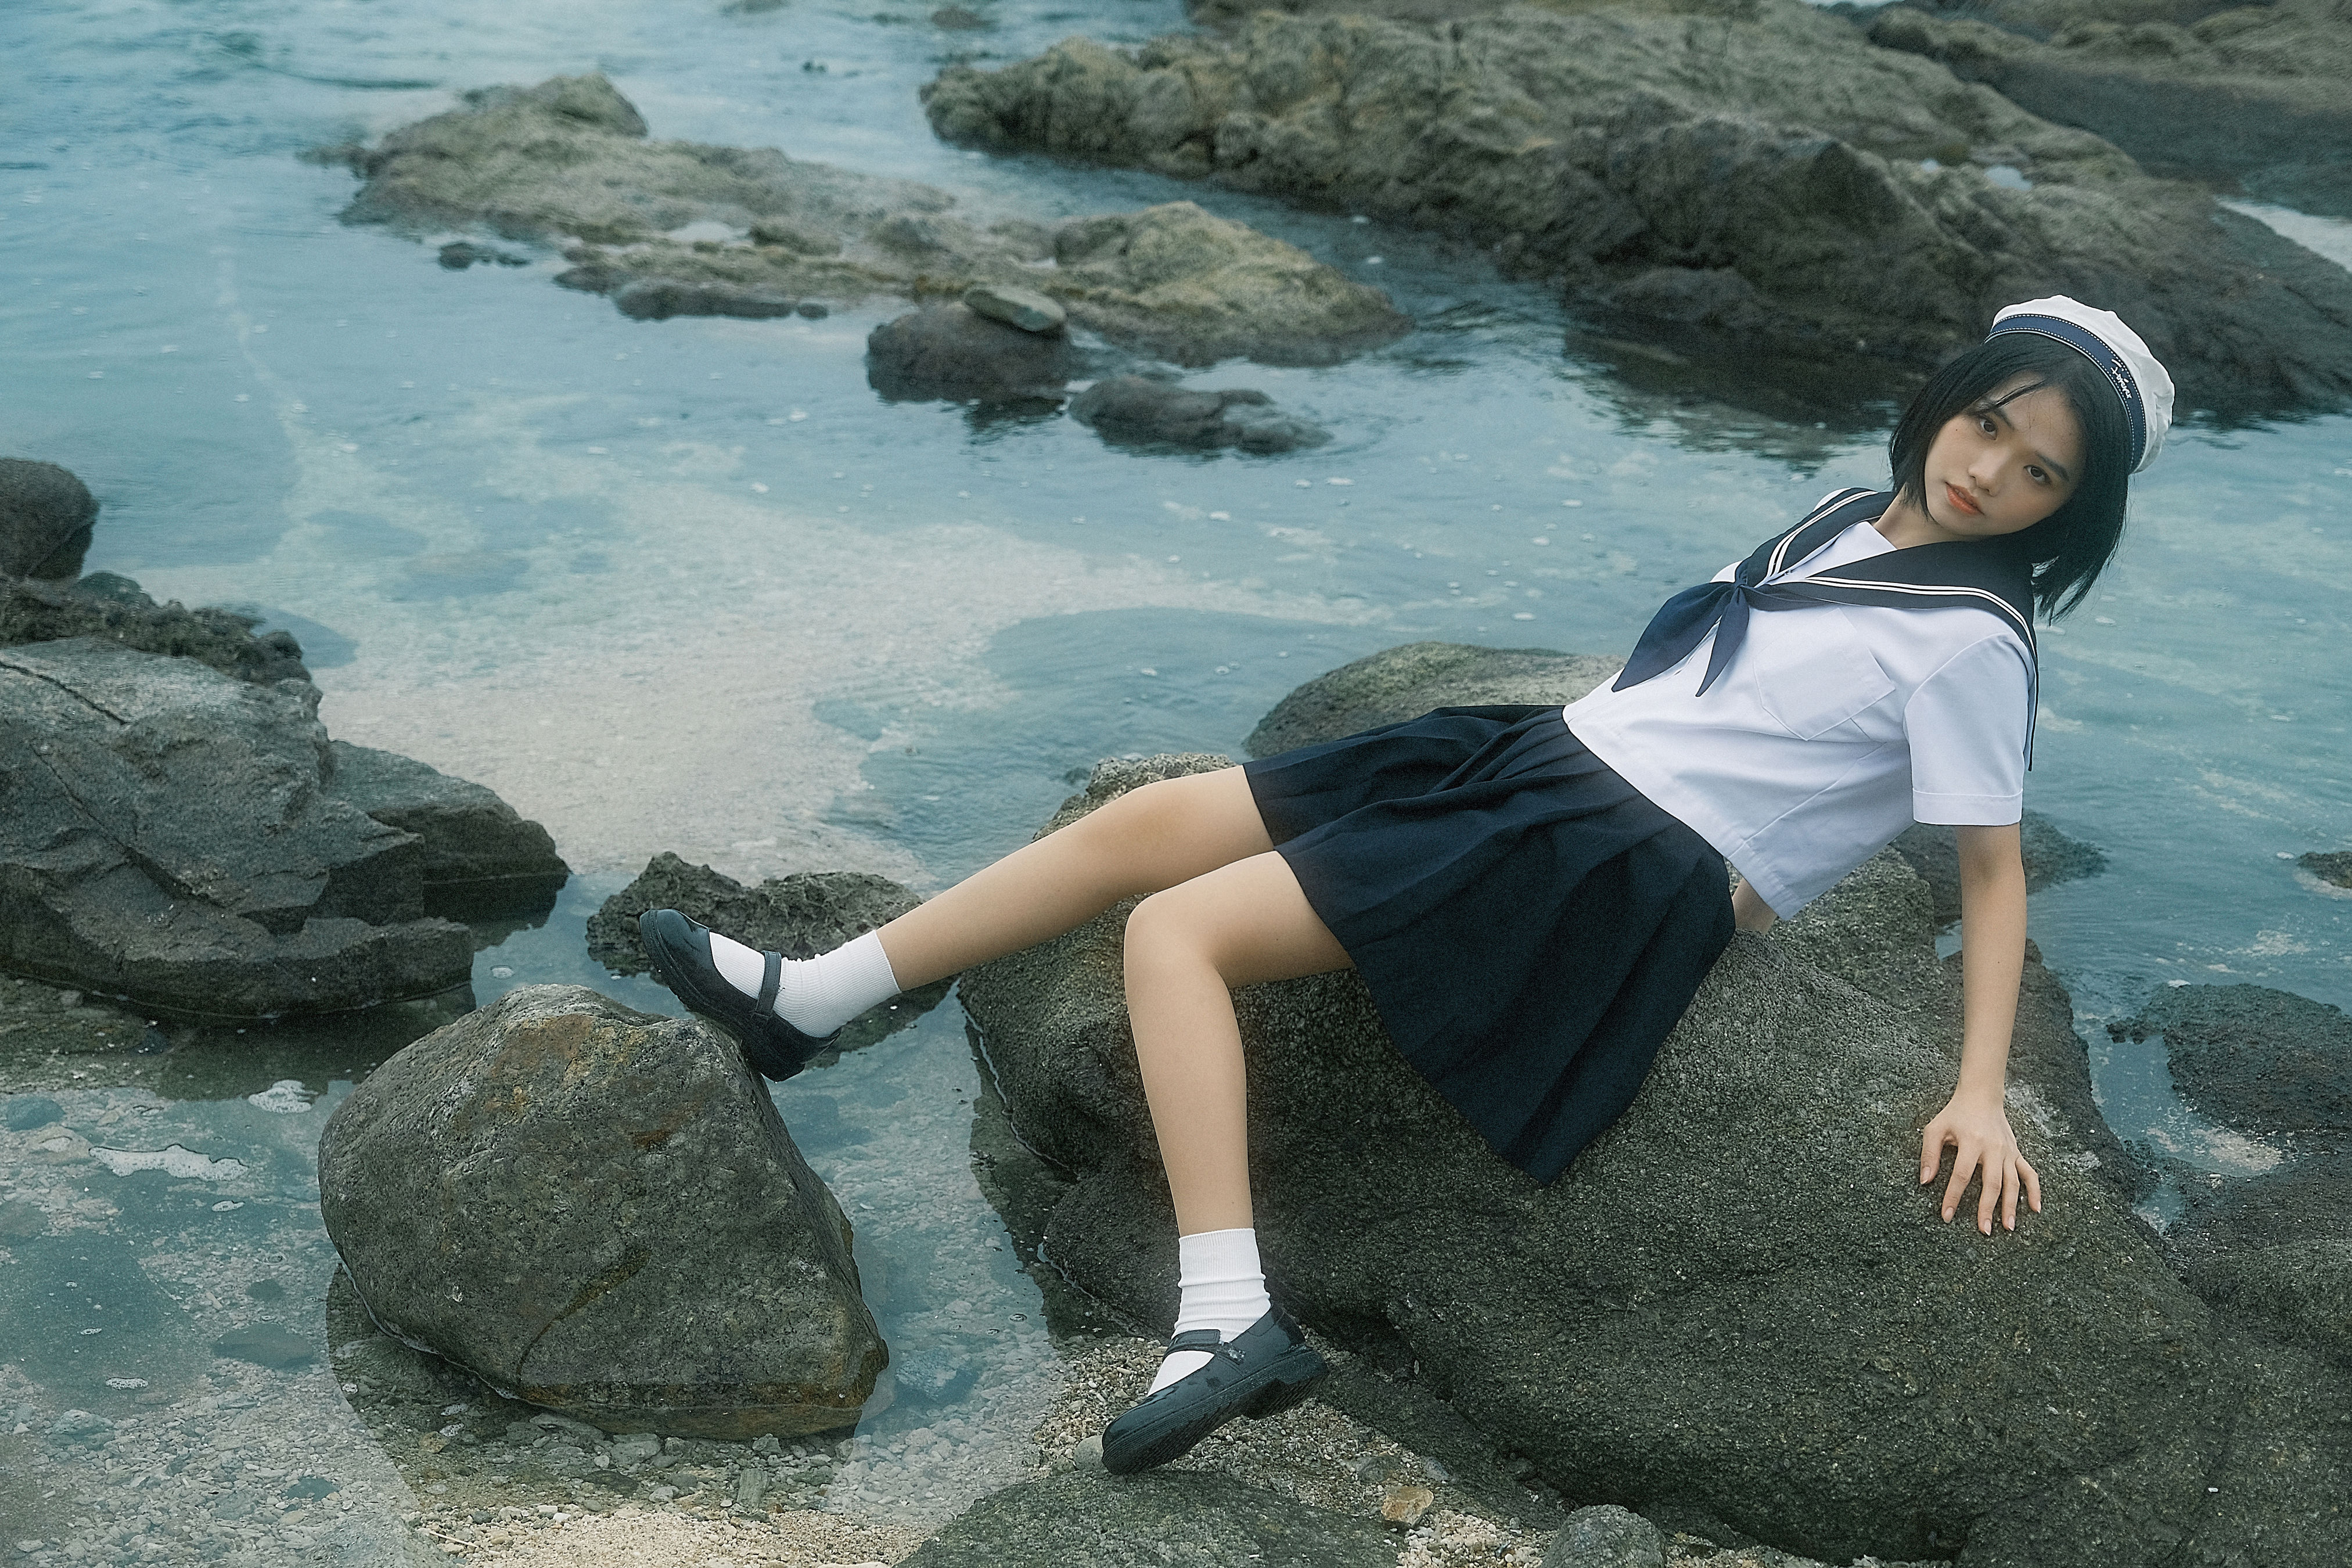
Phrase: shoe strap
(770,982)
(1207,1339)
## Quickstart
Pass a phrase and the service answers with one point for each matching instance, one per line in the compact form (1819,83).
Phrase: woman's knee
(1167,928)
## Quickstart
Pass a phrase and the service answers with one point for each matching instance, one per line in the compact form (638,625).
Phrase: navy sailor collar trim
(1954,575)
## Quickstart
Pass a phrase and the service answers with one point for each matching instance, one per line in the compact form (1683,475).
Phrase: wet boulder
(114,609)
(477,855)
(167,834)
(954,353)
(799,916)
(1766,180)
(1137,411)
(599,1211)
(47,517)
(1677,1323)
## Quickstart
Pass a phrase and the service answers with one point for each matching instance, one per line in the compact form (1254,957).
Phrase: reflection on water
(689,586)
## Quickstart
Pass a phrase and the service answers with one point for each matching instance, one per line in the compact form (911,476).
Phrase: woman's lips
(1963,501)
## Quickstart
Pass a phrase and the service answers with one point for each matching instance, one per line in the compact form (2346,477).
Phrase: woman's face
(2003,464)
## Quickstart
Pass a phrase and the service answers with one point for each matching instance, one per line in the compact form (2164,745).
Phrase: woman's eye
(2037,474)
(1985,424)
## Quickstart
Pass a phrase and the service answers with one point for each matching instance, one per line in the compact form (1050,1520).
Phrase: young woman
(1532,895)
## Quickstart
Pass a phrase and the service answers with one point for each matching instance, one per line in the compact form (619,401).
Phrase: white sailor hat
(2100,336)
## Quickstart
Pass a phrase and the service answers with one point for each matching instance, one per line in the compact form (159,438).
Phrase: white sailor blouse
(1898,687)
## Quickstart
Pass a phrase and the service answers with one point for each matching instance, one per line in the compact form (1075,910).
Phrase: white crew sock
(1223,1289)
(817,995)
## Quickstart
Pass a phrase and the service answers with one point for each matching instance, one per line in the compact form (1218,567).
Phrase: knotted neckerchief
(1920,577)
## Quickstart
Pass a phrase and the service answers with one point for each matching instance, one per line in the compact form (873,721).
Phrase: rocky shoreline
(1739,179)
(1760,1380)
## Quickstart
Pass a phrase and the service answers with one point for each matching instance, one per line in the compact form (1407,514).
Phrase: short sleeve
(1967,726)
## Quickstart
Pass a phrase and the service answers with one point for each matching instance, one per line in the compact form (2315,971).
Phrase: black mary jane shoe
(680,950)
(1264,1370)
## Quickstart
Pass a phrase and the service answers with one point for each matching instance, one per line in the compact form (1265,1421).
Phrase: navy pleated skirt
(1529,925)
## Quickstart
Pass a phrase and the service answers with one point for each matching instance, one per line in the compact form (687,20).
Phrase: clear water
(691,586)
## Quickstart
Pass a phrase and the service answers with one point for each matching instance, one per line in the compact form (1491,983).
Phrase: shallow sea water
(690,585)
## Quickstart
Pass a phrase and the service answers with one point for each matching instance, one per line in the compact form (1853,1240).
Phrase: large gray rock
(1737,1303)
(1408,681)
(952,352)
(477,855)
(47,517)
(568,161)
(598,1210)
(115,610)
(1755,176)
(799,916)
(167,834)
(1151,1520)
(2251,95)
(1136,411)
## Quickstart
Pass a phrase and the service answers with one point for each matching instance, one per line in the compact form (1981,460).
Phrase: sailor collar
(1962,573)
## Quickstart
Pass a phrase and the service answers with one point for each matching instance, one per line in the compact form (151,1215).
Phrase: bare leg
(1187,948)
(1147,839)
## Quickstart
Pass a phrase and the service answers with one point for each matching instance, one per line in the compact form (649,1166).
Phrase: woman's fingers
(1931,1149)
(1989,1197)
(2032,1185)
(1964,1165)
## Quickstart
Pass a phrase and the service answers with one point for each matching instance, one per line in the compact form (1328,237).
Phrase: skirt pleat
(1529,925)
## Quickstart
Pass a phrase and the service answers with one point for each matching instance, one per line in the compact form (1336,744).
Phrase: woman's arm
(1749,910)
(1992,961)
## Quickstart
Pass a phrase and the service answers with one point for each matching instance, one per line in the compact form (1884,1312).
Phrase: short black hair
(2067,550)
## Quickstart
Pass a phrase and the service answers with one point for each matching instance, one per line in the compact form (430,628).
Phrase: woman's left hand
(1975,1127)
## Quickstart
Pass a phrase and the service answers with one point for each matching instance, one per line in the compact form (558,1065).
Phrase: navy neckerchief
(1921,577)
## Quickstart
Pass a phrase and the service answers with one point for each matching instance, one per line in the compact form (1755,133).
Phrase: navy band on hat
(2096,349)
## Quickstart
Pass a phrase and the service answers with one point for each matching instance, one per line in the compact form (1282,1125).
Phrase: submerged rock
(568,161)
(478,856)
(2254,95)
(1673,1324)
(2333,866)
(1760,173)
(952,352)
(47,517)
(598,1210)
(659,298)
(461,254)
(1149,1521)
(1134,410)
(799,916)
(167,834)
(113,609)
